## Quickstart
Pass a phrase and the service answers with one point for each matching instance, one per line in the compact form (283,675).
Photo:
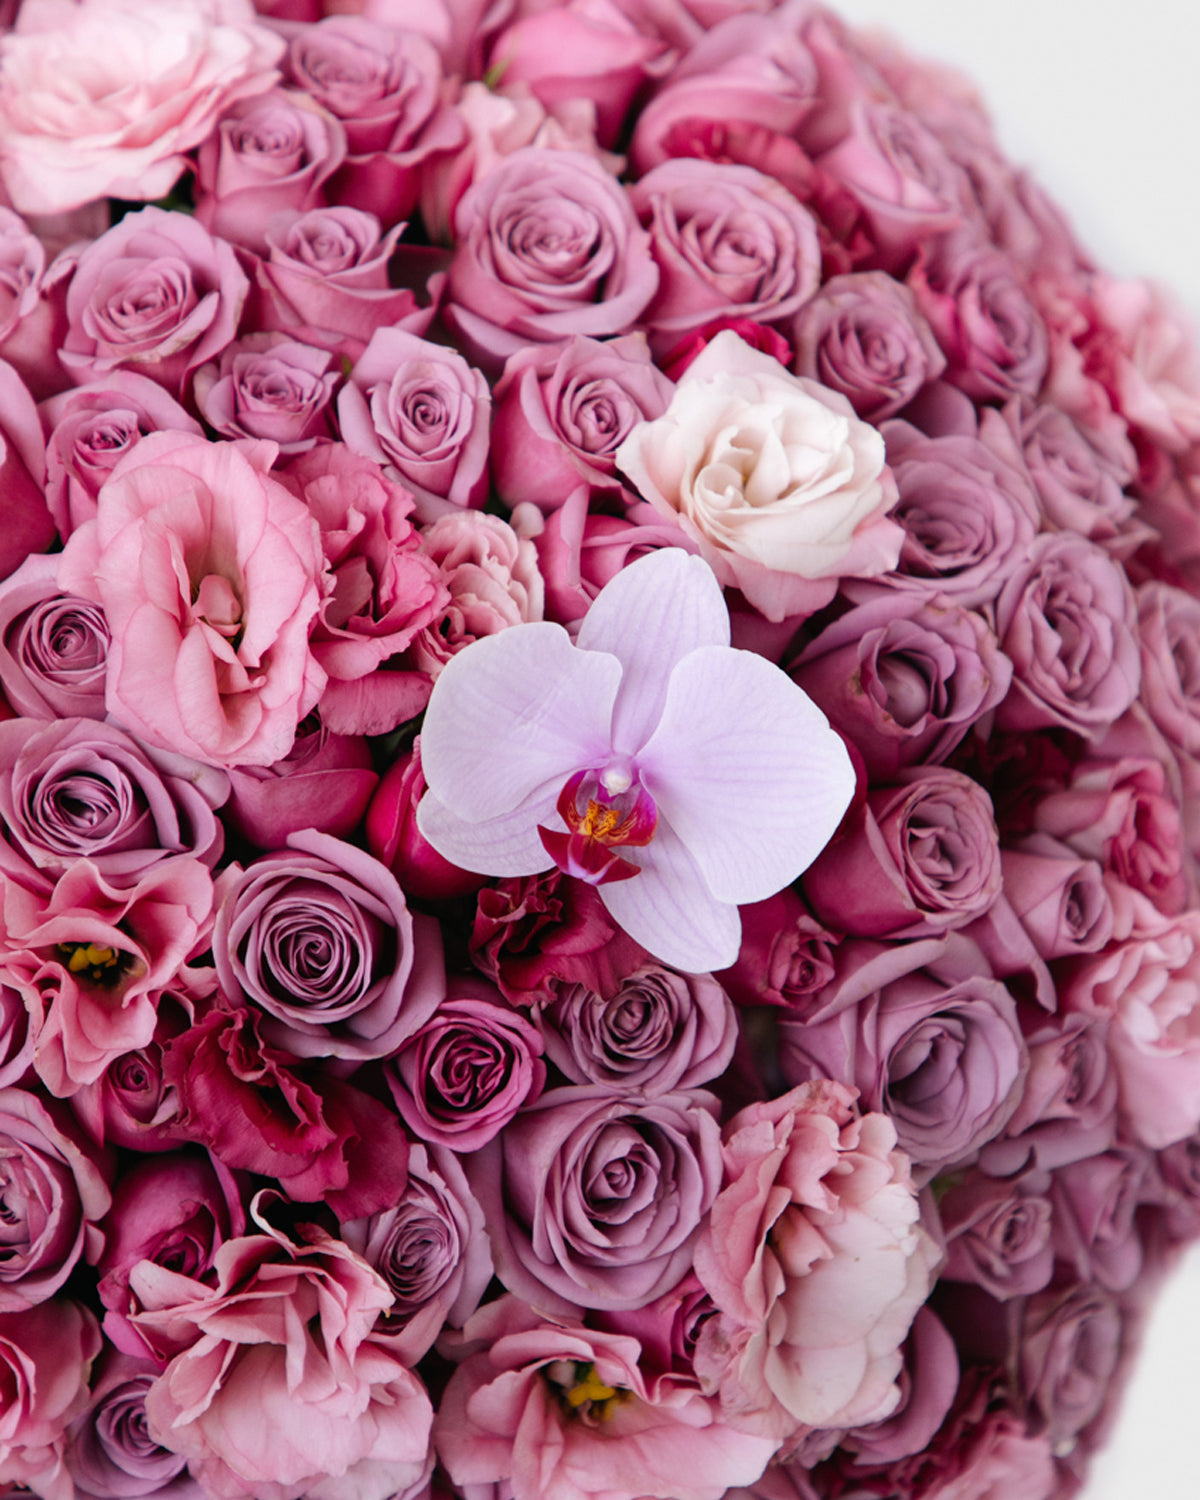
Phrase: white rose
(777,481)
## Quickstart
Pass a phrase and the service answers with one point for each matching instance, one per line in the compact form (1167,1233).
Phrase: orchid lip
(604,811)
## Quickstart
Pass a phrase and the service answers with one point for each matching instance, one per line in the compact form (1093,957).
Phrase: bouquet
(599,814)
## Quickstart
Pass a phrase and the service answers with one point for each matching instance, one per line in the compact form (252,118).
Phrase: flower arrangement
(599,817)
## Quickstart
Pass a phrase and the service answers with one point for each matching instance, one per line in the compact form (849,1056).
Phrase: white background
(1102,99)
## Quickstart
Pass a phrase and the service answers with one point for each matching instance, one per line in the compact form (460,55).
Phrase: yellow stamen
(89,956)
(590,1388)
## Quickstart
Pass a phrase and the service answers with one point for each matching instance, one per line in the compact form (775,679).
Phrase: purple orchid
(680,776)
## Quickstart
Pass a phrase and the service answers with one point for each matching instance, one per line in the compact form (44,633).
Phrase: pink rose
(460,1079)
(1070,1342)
(998,1234)
(1156,374)
(69,135)
(540,1406)
(324,280)
(420,408)
(547,245)
(802,502)
(562,411)
(324,782)
(109,1452)
(156,290)
(268,155)
(233,645)
(1061,900)
(816,1259)
(268,386)
(928,1384)
(728,241)
(28,525)
(863,335)
(384,84)
(786,955)
(90,429)
(32,301)
(45,1355)
(394,838)
(279,1380)
(493,580)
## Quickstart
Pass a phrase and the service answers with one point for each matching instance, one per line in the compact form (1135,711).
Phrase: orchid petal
(512,714)
(746,770)
(508,845)
(649,616)
(670,911)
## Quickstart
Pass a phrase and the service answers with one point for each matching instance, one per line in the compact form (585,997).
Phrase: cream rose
(782,488)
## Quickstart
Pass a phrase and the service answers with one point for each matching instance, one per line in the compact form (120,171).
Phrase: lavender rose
(110,1453)
(268,386)
(320,938)
(595,1201)
(53,645)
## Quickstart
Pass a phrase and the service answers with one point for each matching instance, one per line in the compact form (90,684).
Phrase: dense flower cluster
(599,742)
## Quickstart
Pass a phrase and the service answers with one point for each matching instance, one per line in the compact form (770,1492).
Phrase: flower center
(604,811)
(103,966)
(582,1391)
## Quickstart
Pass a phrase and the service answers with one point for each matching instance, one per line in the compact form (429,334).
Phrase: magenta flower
(681,777)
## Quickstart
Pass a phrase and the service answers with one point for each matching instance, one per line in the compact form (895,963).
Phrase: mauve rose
(96,955)
(1155,379)
(381,589)
(279,1384)
(268,386)
(385,85)
(394,838)
(1147,988)
(816,1259)
(423,410)
(728,242)
(544,1406)
(76,789)
(54,1193)
(1070,1339)
(256,1110)
(997,1233)
(325,782)
(17,1037)
(232,639)
(914,859)
(982,315)
(110,1454)
(786,955)
(493,579)
(928,1384)
(1094,1202)
(547,245)
(157,291)
(902,178)
(90,429)
(596,1201)
(172,1209)
(904,678)
(924,1033)
(53,645)
(968,512)
(863,335)
(776,481)
(460,1079)
(71,133)
(562,411)
(1169,635)
(28,526)
(656,1031)
(22,264)
(320,938)
(1067,620)
(324,280)
(431,1248)
(33,298)
(45,1355)
(1061,900)
(1079,475)
(267,155)
(580,49)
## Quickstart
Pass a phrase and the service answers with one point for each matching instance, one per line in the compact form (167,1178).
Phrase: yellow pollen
(89,956)
(599,821)
(590,1388)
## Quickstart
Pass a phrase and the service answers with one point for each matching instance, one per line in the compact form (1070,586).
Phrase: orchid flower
(678,775)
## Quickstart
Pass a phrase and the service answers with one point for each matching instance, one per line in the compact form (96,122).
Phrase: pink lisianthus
(214,663)
(278,1382)
(553,1408)
(102,99)
(606,758)
(817,1261)
(780,486)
